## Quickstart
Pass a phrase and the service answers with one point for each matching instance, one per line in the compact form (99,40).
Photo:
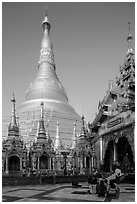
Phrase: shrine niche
(14,163)
(108,159)
(44,161)
(119,152)
(125,155)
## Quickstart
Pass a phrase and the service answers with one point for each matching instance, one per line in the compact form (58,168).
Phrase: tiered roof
(120,96)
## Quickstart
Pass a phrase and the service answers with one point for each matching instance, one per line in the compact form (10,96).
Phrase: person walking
(90,181)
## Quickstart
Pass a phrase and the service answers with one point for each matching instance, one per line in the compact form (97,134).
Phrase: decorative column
(38,164)
(101,151)
(78,162)
(50,163)
(53,163)
(2,164)
(90,164)
(73,159)
(115,154)
(85,162)
(24,163)
(7,166)
(81,163)
(33,163)
(21,164)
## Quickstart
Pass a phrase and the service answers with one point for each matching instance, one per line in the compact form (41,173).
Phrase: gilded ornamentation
(46,55)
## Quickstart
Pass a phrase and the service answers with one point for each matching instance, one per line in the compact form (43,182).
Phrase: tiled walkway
(61,193)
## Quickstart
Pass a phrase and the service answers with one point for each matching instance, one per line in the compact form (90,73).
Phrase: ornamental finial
(42,104)
(13,97)
(129,26)
(45,22)
(46,10)
(129,38)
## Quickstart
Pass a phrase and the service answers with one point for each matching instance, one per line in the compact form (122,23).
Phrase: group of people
(105,187)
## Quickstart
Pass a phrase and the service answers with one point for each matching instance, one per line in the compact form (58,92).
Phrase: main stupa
(47,88)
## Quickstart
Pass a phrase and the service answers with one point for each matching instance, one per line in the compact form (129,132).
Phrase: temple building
(114,124)
(45,156)
(46,87)
(82,150)
(14,151)
(42,150)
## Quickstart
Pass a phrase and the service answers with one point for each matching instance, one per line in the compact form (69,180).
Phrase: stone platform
(61,193)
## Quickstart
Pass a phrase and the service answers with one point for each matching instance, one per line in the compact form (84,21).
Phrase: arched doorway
(124,155)
(14,163)
(44,162)
(108,159)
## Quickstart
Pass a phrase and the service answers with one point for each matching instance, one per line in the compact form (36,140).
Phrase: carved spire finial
(42,104)
(46,53)
(45,22)
(13,97)
(129,38)
(13,128)
(13,116)
(46,11)
(129,26)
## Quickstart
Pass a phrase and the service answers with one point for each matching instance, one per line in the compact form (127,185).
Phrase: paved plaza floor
(61,193)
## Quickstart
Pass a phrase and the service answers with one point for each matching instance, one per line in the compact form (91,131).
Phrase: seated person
(118,174)
(112,189)
(102,189)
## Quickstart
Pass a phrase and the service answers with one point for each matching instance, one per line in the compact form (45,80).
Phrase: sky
(89,45)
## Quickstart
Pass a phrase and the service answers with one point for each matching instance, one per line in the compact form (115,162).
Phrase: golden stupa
(47,88)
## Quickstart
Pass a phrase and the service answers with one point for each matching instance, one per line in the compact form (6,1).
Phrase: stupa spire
(46,52)
(46,82)
(42,112)
(13,128)
(129,40)
(13,115)
(41,127)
